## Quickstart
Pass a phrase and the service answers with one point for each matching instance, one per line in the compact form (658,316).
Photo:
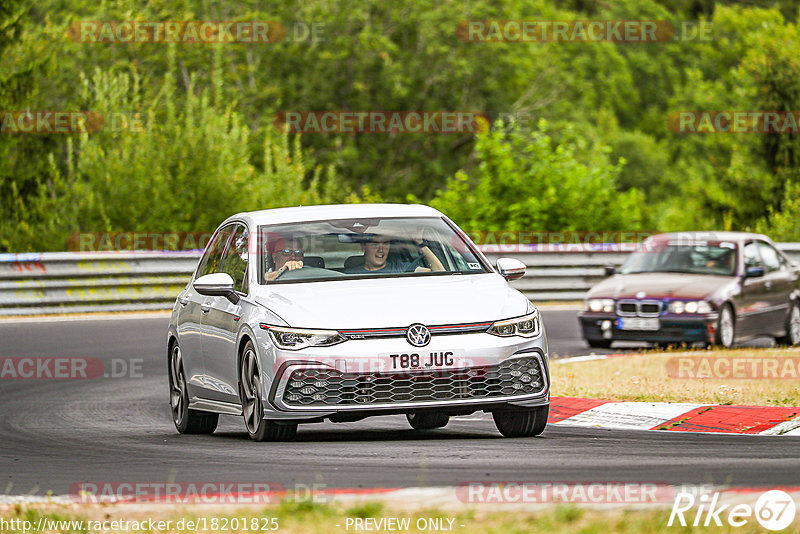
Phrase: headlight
(690,306)
(299,338)
(600,305)
(525,326)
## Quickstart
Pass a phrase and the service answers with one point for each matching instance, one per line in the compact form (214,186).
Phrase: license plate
(426,359)
(638,323)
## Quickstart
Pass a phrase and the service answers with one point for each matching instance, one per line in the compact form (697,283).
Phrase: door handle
(205,308)
(768,284)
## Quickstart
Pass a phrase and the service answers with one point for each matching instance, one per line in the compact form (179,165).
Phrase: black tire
(521,423)
(258,428)
(723,336)
(599,343)
(427,420)
(186,421)
(792,337)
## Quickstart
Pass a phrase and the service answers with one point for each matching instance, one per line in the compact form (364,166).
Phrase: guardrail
(74,282)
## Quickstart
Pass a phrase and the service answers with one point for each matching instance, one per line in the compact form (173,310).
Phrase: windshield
(717,259)
(361,248)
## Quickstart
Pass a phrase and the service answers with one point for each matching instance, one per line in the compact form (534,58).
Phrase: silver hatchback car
(298,315)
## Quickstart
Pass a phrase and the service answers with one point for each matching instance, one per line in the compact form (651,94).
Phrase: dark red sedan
(715,288)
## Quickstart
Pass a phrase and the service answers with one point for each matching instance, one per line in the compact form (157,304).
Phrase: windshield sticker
(474,265)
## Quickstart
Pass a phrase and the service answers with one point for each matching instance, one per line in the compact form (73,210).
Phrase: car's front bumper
(672,328)
(361,374)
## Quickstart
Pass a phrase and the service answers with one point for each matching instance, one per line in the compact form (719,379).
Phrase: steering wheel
(414,264)
(288,270)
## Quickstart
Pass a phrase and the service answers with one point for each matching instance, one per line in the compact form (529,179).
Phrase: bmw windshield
(363,248)
(701,258)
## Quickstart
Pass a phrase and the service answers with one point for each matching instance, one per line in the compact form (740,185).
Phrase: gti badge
(418,335)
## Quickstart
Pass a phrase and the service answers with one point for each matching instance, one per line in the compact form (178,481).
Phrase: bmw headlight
(689,306)
(299,338)
(526,326)
(600,305)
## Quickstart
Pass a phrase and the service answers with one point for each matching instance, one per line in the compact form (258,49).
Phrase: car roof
(708,235)
(333,211)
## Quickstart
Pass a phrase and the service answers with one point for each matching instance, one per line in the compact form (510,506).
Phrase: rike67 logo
(774,510)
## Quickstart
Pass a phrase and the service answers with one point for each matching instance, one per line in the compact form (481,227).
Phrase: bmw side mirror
(216,285)
(510,269)
(754,272)
(610,270)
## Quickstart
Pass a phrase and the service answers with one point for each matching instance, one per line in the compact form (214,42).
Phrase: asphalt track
(56,433)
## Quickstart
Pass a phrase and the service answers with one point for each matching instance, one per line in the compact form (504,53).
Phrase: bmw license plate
(638,323)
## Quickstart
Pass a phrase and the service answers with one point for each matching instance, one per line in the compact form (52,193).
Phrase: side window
(212,259)
(236,258)
(751,257)
(770,256)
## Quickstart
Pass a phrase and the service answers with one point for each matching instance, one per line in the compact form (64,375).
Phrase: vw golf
(306,314)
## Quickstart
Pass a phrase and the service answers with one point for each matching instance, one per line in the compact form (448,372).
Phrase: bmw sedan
(713,288)
(306,314)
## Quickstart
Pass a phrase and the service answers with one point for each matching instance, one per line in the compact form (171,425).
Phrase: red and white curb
(675,417)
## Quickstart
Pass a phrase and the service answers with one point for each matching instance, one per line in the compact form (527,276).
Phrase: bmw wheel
(250,389)
(726,327)
(186,421)
(522,423)
(427,420)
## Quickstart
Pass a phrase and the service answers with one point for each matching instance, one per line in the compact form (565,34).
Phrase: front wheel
(792,337)
(521,423)
(258,428)
(186,421)
(726,327)
(427,421)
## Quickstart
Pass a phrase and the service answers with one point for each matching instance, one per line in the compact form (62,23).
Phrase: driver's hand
(293,264)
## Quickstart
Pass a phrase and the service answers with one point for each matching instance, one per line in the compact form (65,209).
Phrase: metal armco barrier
(75,282)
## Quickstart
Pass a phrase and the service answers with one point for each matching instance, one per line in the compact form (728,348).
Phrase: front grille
(650,308)
(641,308)
(328,387)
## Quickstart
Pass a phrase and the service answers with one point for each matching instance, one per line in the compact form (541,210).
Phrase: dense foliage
(584,143)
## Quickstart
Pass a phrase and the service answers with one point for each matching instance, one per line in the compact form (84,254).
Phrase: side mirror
(754,272)
(510,269)
(610,270)
(216,285)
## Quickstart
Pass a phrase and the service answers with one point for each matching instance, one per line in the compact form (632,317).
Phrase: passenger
(376,258)
(283,256)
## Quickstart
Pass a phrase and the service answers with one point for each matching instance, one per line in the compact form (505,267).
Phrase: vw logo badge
(641,295)
(418,335)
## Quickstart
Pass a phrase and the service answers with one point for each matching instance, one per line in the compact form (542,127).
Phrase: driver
(282,256)
(376,258)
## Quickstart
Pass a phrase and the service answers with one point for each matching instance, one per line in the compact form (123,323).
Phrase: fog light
(515,372)
(296,384)
(517,385)
(525,378)
(321,383)
(293,397)
(318,397)
(308,390)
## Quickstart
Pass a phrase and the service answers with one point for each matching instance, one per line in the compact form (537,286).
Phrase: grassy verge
(306,517)
(651,377)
